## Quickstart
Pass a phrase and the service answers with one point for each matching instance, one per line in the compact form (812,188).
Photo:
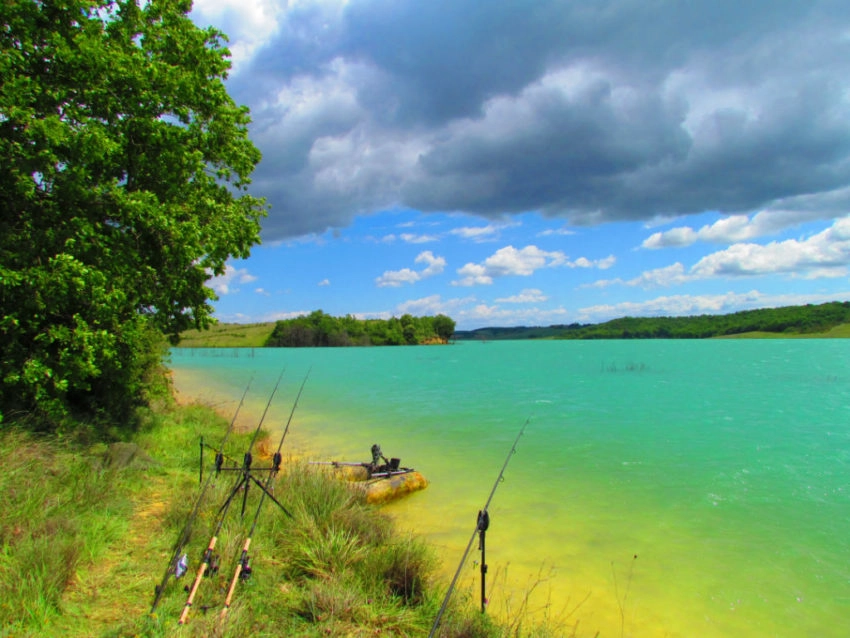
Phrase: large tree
(124,167)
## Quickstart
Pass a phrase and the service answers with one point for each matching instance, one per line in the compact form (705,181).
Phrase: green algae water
(661,488)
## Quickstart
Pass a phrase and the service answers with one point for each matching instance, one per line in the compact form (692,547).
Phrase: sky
(541,162)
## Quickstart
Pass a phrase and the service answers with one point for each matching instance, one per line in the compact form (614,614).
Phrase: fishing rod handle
(198,578)
(184,616)
(184,535)
(238,572)
(231,590)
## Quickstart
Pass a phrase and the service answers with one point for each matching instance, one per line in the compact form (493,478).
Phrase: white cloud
(228,282)
(733,229)
(434,305)
(324,282)
(496,315)
(529,295)
(411,238)
(396,278)
(283,315)
(263,292)
(473,274)
(425,306)
(638,112)
(826,254)
(249,24)
(602,264)
(435,265)
(605,264)
(509,261)
(682,236)
(556,232)
(476,233)
(383,314)
(469,310)
(671,275)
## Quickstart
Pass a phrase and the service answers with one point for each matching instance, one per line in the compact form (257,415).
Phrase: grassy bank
(228,335)
(87,533)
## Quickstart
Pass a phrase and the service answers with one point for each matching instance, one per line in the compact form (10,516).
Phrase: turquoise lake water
(661,488)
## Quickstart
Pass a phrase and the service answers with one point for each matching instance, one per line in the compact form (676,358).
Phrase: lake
(661,488)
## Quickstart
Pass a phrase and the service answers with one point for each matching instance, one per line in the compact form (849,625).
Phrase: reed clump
(87,532)
(631,366)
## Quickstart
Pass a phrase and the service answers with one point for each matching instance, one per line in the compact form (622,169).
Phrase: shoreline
(245,421)
(405,513)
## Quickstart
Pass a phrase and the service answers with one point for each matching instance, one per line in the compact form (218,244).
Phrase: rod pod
(183,539)
(483,524)
(242,568)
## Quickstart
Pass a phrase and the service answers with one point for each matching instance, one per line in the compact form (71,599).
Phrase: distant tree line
(788,320)
(511,333)
(322,330)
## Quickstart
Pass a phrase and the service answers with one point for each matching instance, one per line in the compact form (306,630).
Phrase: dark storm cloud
(589,111)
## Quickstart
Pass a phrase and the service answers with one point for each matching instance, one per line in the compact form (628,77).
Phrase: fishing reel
(246,572)
(483,521)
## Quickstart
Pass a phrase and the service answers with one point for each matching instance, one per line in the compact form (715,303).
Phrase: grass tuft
(323,554)
(406,568)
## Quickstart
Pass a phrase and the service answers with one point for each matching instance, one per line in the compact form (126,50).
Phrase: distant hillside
(825,320)
(228,335)
(319,329)
(517,332)
(829,320)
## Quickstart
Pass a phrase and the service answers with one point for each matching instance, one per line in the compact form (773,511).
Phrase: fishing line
(242,480)
(482,523)
(183,539)
(242,567)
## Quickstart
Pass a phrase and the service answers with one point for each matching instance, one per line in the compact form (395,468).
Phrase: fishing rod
(242,568)
(207,559)
(481,526)
(174,566)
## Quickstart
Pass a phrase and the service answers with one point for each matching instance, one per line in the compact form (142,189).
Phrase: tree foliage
(786,320)
(319,329)
(123,170)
